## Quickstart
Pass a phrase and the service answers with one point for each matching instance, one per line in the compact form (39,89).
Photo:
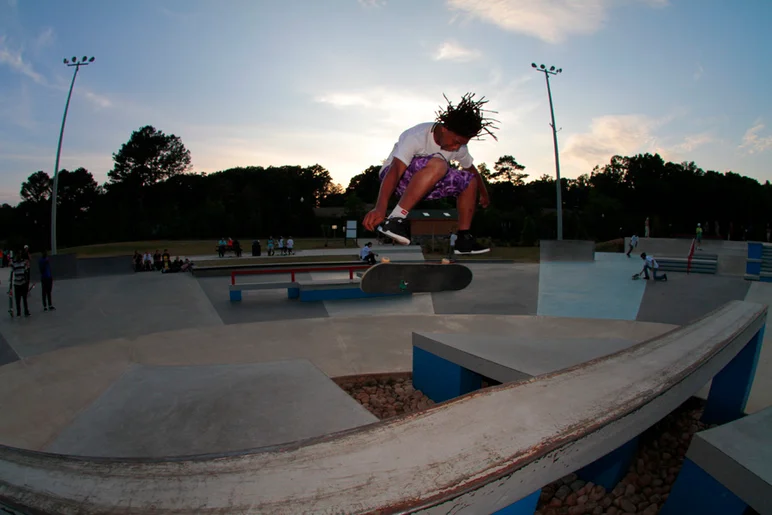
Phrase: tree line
(152,194)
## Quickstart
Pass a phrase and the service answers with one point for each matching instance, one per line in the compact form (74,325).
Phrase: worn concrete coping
(474,454)
(739,456)
(513,358)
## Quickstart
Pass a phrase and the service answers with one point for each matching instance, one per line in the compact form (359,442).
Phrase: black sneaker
(398,229)
(466,244)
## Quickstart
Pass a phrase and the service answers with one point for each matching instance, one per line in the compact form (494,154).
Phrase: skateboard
(415,278)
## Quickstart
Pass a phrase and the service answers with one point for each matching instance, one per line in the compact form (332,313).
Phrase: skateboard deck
(415,278)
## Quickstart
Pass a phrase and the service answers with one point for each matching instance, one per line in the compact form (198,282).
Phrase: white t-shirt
(634,241)
(453,239)
(419,141)
(652,262)
(290,243)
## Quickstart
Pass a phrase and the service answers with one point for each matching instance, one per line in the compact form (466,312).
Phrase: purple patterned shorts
(451,185)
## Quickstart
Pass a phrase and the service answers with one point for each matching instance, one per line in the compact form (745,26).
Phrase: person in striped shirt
(20,284)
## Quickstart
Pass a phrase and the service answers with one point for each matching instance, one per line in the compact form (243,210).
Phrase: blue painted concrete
(293,293)
(601,289)
(755,250)
(340,294)
(440,379)
(235,296)
(525,506)
(753,268)
(731,387)
(611,468)
(696,492)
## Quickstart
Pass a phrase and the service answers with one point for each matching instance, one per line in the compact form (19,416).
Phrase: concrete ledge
(263,286)
(505,359)
(567,250)
(328,284)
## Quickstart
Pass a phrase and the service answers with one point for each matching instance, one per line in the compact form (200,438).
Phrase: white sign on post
(351,229)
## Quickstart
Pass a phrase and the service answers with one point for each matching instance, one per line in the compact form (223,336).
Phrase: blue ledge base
(440,379)
(731,387)
(609,470)
(236,296)
(696,492)
(340,294)
(525,506)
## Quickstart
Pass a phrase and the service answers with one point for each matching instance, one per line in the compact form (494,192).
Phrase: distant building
(432,222)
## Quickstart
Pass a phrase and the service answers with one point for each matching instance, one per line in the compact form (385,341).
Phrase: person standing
(453,238)
(20,284)
(46,281)
(698,236)
(633,244)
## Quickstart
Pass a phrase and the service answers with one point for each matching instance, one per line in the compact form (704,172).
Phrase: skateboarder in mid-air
(419,168)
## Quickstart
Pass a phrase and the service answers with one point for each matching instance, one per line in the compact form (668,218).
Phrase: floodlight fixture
(74,63)
(547,72)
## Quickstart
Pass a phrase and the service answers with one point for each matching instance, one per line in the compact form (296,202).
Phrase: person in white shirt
(633,244)
(290,245)
(419,167)
(649,263)
(366,253)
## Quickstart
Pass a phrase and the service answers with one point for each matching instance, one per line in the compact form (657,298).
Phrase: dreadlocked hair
(467,119)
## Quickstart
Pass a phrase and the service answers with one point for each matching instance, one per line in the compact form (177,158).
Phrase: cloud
(14,60)
(549,20)
(44,39)
(753,142)
(95,98)
(699,72)
(387,106)
(452,51)
(692,142)
(608,136)
(372,3)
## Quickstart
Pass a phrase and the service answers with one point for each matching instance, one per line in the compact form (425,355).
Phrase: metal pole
(56,166)
(557,160)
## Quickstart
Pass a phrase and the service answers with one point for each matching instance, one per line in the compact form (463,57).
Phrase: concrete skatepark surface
(69,371)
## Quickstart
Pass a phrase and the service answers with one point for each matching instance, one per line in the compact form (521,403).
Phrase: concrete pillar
(441,380)
(696,492)
(609,470)
(731,387)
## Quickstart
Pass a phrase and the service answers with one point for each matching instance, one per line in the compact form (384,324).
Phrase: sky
(335,82)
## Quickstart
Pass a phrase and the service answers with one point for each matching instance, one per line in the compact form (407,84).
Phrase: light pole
(83,62)
(547,73)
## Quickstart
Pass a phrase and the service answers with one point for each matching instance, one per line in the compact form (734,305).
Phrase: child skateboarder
(419,167)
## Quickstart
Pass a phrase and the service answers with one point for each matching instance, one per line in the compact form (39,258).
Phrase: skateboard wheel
(385,260)
(445,261)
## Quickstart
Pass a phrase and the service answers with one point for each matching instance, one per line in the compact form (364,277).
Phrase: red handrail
(292,271)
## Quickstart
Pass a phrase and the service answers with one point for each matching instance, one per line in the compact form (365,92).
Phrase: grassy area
(189,247)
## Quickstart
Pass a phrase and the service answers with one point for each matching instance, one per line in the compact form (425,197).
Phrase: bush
(530,232)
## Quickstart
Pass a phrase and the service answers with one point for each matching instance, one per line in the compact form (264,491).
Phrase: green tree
(37,187)
(507,169)
(148,157)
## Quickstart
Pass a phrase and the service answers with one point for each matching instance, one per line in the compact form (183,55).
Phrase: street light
(85,61)
(547,72)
